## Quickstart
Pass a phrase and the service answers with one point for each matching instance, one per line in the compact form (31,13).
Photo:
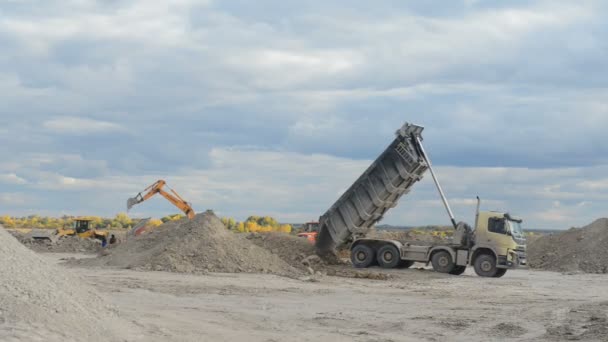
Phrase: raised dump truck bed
(378,189)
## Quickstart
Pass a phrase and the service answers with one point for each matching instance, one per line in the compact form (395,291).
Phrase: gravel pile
(41,302)
(301,254)
(67,244)
(200,245)
(575,250)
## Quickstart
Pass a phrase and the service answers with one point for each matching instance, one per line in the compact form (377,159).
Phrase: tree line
(120,221)
(253,224)
(256,224)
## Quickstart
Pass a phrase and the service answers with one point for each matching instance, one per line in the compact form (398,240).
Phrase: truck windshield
(515,228)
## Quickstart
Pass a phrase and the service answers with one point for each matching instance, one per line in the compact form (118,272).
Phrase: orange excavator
(310,230)
(171,196)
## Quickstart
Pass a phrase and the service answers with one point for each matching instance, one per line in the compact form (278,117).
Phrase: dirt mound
(301,254)
(200,245)
(40,302)
(68,244)
(291,249)
(578,249)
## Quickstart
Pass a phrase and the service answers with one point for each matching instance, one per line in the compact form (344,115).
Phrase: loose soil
(67,244)
(575,250)
(414,305)
(42,302)
(200,245)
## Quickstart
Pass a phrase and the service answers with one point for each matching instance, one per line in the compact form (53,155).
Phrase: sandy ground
(414,305)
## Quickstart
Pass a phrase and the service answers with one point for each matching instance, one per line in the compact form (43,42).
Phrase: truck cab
(501,234)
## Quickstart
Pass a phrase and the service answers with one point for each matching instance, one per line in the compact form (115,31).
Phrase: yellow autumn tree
(7,221)
(285,228)
(122,220)
(155,222)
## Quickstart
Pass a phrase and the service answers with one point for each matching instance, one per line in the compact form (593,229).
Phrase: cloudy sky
(274,107)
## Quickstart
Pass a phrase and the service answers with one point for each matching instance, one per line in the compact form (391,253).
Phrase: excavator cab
(82,225)
(83,228)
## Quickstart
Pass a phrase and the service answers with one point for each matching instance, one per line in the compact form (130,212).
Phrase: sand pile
(200,245)
(40,302)
(578,249)
(67,244)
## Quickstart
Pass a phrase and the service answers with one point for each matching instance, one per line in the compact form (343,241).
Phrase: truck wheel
(362,256)
(388,256)
(485,265)
(458,270)
(442,262)
(500,272)
(405,264)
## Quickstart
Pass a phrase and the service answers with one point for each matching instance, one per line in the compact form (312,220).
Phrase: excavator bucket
(131,202)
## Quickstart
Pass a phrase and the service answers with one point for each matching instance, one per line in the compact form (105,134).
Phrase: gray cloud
(113,91)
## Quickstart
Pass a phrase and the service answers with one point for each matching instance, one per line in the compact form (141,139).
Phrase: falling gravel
(41,302)
(296,251)
(196,246)
(575,250)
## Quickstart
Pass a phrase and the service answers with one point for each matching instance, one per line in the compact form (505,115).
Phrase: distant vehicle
(496,243)
(310,231)
(81,227)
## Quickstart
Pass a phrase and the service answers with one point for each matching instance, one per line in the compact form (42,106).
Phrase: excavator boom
(157,188)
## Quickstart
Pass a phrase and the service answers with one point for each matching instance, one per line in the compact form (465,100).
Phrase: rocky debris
(200,245)
(588,322)
(301,254)
(40,302)
(66,244)
(291,249)
(508,330)
(575,250)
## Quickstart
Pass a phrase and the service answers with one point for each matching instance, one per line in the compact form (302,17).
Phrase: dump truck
(495,244)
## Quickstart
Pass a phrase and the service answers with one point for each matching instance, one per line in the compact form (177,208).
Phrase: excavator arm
(172,196)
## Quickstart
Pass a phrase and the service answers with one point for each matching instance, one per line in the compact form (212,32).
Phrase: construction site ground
(411,305)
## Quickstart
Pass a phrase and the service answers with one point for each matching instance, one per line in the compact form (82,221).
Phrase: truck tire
(442,262)
(362,256)
(388,256)
(405,264)
(500,272)
(485,265)
(458,270)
